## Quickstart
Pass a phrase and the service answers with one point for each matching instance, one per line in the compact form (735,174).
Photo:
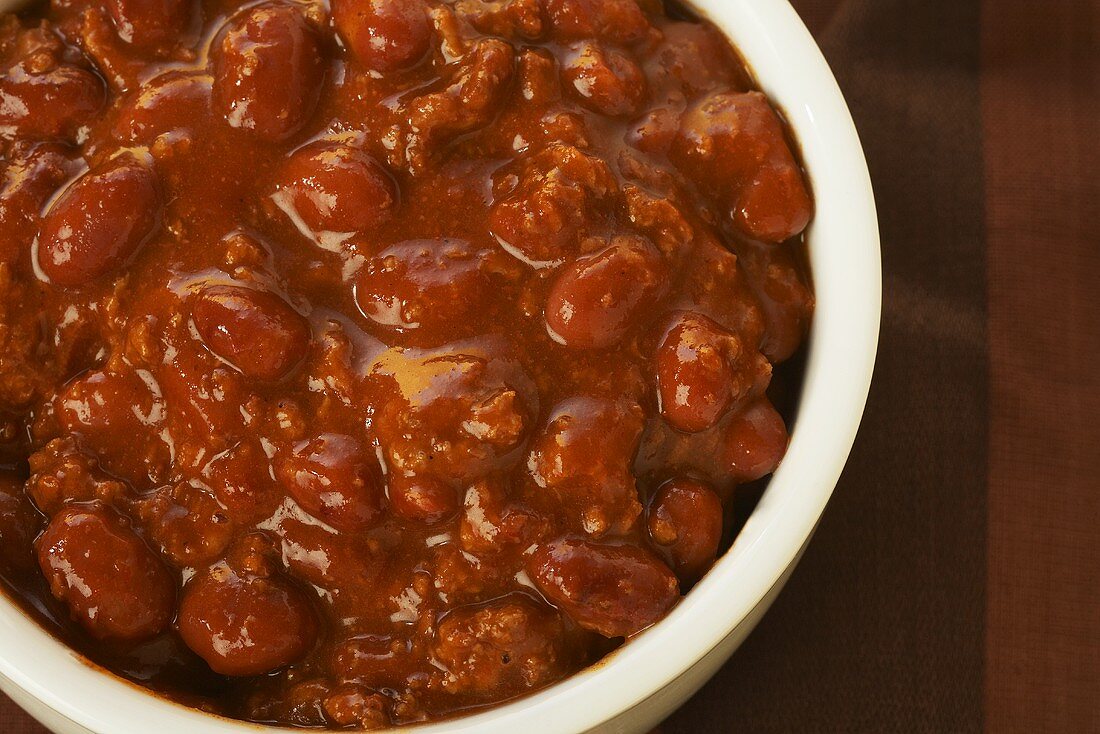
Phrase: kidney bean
(55,103)
(336,188)
(422,499)
(103,405)
(255,331)
(735,144)
(426,285)
(268,72)
(114,586)
(507,645)
(244,625)
(754,442)
(100,222)
(620,21)
(167,103)
(595,301)
(703,370)
(333,478)
(776,205)
(615,590)
(150,24)
(385,35)
(606,80)
(685,526)
(585,455)
(18,525)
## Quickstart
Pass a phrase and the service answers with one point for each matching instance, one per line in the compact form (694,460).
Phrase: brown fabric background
(952,584)
(1041,115)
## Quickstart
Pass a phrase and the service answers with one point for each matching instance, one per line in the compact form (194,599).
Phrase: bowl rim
(845,262)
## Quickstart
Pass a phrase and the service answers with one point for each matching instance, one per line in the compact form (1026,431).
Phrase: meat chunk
(268,71)
(508,645)
(585,455)
(684,523)
(551,204)
(457,413)
(61,473)
(470,101)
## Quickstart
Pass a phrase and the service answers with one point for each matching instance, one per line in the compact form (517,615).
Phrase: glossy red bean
(114,586)
(245,625)
(150,24)
(422,499)
(425,285)
(55,103)
(339,563)
(754,442)
(615,590)
(268,71)
(695,380)
(255,331)
(775,206)
(18,525)
(336,188)
(335,479)
(100,222)
(606,80)
(738,140)
(384,35)
(704,370)
(684,523)
(595,301)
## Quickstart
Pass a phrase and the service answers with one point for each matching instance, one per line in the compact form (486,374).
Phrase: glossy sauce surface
(366,362)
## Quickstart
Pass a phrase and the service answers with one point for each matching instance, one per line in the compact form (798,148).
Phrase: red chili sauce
(365,362)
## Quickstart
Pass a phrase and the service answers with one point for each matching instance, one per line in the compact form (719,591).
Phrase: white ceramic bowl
(642,683)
